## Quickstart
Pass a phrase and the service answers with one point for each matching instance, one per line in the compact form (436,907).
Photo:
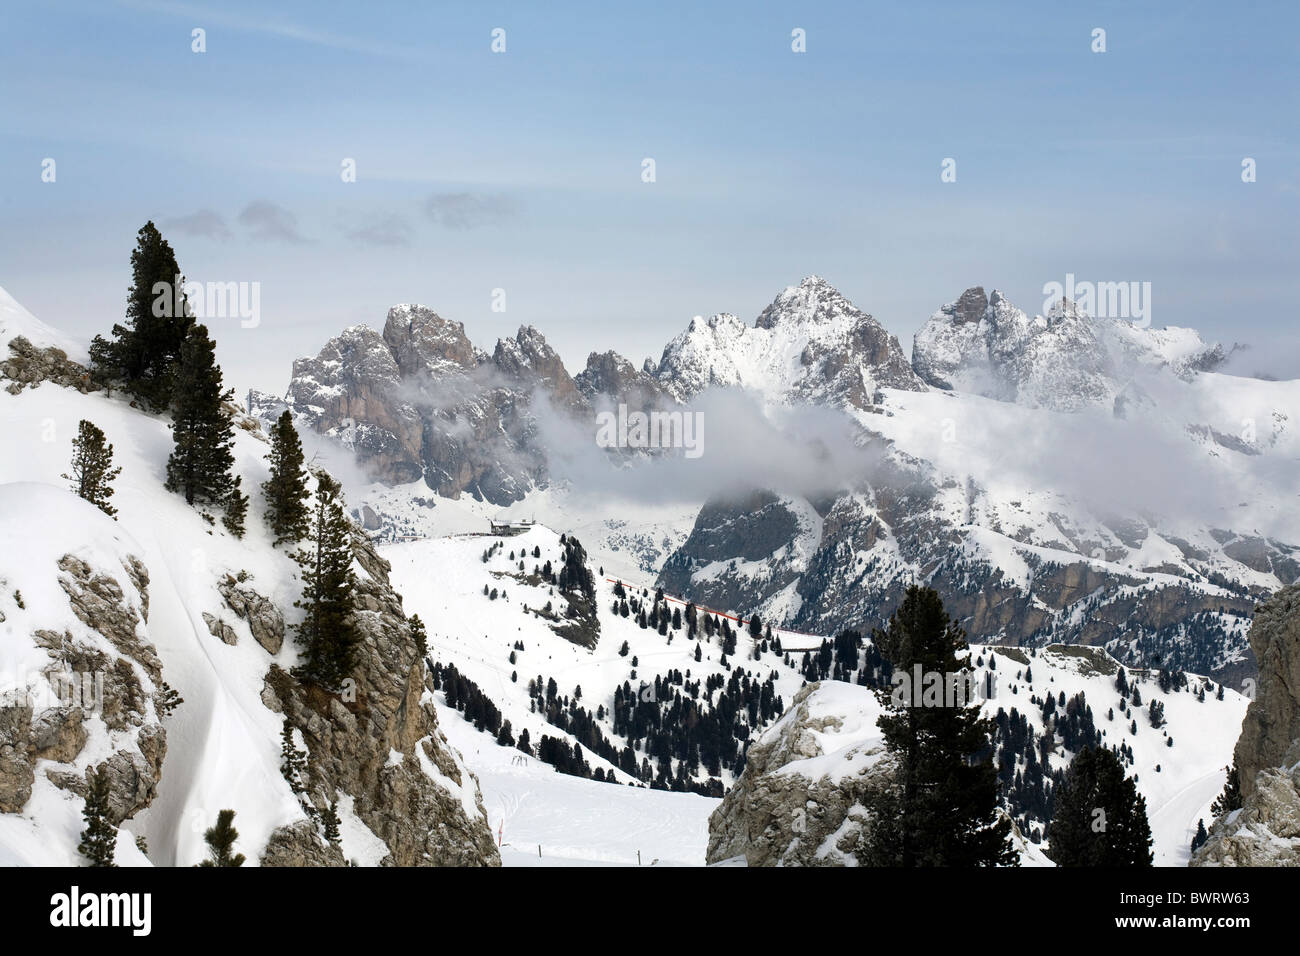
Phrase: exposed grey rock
(220,629)
(17,755)
(425,806)
(263,617)
(1272,724)
(1266,830)
(420,401)
(28,365)
(299,844)
(84,681)
(773,818)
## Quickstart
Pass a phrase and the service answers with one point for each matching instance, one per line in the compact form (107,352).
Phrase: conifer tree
(420,637)
(1100,819)
(92,467)
(236,507)
(327,632)
(943,808)
(143,354)
(99,838)
(329,819)
(200,463)
(287,509)
(1230,798)
(220,840)
(1201,836)
(293,764)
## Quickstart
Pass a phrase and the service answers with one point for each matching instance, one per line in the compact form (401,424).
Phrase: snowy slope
(443,581)
(223,742)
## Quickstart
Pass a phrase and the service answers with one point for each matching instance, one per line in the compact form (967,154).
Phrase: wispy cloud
(266,220)
(204,224)
(275,26)
(468,210)
(393,230)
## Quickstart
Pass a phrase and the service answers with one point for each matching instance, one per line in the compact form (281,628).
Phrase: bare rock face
(299,844)
(1266,830)
(796,804)
(116,679)
(220,629)
(1272,725)
(263,617)
(420,401)
(28,365)
(382,744)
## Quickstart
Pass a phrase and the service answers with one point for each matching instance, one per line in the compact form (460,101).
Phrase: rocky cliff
(1265,831)
(800,800)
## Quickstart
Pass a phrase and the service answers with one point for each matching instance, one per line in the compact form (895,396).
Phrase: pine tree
(943,808)
(220,839)
(143,354)
(293,763)
(1100,819)
(1230,798)
(99,838)
(236,507)
(287,509)
(199,466)
(1201,836)
(92,467)
(420,637)
(329,819)
(327,630)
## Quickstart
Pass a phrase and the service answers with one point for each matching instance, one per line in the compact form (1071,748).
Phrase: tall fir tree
(143,354)
(221,840)
(200,464)
(236,508)
(1099,819)
(329,819)
(92,467)
(327,632)
(287,509)
(99,838)
(1230,798)
(420,637)
(942,807)
(293,762)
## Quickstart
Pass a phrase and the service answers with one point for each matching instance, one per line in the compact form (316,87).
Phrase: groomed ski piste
(544,817)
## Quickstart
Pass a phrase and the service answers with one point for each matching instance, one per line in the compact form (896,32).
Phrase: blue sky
(522,170)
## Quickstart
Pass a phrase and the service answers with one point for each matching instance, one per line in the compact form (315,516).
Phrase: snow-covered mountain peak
(1066,360)
(810,345)
(812,300)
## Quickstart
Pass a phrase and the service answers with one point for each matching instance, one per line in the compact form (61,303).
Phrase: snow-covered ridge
(1065,360)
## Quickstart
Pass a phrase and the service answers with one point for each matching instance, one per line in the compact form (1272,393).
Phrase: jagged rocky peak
(812,300)
(422,340)
(1066,360)
(811,344)
(610,376)
(529,358)
(970,306)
